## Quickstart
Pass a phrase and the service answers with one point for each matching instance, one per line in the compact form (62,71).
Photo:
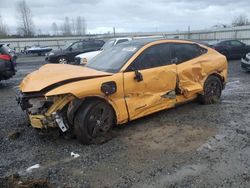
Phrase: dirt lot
(190,146)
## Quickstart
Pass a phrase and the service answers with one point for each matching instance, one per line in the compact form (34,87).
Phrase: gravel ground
(190,146)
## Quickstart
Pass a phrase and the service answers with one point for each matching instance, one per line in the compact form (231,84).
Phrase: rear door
(154,88)
(188,58)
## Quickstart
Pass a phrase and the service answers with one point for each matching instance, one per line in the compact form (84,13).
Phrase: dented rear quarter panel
(193,74)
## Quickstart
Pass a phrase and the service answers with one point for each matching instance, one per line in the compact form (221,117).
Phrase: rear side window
(92,44)
(98,43)
(154,56)
(186,52)
(236,43)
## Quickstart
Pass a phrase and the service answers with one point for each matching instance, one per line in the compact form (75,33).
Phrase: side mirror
(70,49)
(138,76)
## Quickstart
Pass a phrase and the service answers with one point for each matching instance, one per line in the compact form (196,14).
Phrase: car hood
(56,74)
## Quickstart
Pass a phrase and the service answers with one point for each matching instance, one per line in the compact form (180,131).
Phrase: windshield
(108,44)
(112,59)
(66,46)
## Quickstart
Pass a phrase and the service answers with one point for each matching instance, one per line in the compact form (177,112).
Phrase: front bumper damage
(45,112)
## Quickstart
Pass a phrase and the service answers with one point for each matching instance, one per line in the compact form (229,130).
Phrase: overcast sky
(129,15)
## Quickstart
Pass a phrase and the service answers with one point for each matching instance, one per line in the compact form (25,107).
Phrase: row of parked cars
(83,51)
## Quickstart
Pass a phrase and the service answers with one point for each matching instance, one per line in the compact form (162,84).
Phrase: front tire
(212,90)
(62,60)
(93,122)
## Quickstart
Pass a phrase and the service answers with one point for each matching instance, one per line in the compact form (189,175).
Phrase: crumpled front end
(45,112)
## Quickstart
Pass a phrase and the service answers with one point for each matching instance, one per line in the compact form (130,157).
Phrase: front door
(150,82)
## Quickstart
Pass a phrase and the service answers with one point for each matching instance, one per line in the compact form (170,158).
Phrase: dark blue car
(232,49)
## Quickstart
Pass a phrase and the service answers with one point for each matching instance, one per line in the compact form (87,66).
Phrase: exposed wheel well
(77,103)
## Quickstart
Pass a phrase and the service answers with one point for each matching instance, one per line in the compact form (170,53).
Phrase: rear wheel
(93,122)
(62,60)
(212,90)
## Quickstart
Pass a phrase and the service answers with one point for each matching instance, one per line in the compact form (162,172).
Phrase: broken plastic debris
(32,167)
(75,155)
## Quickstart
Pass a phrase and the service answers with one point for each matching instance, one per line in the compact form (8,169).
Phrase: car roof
(83,40)
(216,42)
(143,42)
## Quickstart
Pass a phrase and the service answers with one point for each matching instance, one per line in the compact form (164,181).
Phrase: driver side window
(154,56)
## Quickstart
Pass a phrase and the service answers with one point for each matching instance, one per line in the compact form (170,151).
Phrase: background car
(11,51)
(37,50)
(85,57)
(232,49)
(123,83)
(245,63)
(67,55)
(7,63)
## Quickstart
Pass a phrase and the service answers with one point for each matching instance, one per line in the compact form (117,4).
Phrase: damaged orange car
(123,83)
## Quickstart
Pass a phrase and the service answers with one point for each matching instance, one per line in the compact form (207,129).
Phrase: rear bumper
(245,64)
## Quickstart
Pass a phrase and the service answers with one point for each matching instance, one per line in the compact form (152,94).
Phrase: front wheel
(212,90)
(62,60)
(93,122)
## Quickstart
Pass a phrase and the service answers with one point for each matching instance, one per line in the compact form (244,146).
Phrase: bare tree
(55,29)
(66,30)
(73,26)
(39,32)
(26,25)
(80,26)
(3,28)
(240,20)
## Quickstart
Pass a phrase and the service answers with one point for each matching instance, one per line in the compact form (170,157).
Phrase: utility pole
(114,31)
(189,32)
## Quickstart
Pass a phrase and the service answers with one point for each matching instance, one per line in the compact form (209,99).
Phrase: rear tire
(93,122)
(212,90)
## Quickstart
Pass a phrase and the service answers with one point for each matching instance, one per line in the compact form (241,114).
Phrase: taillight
(5,57)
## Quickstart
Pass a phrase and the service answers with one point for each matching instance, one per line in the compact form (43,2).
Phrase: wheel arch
(75,104)
(218,75)
(60,56)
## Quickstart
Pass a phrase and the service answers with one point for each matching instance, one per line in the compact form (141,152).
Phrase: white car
(245,63)
(85,57)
